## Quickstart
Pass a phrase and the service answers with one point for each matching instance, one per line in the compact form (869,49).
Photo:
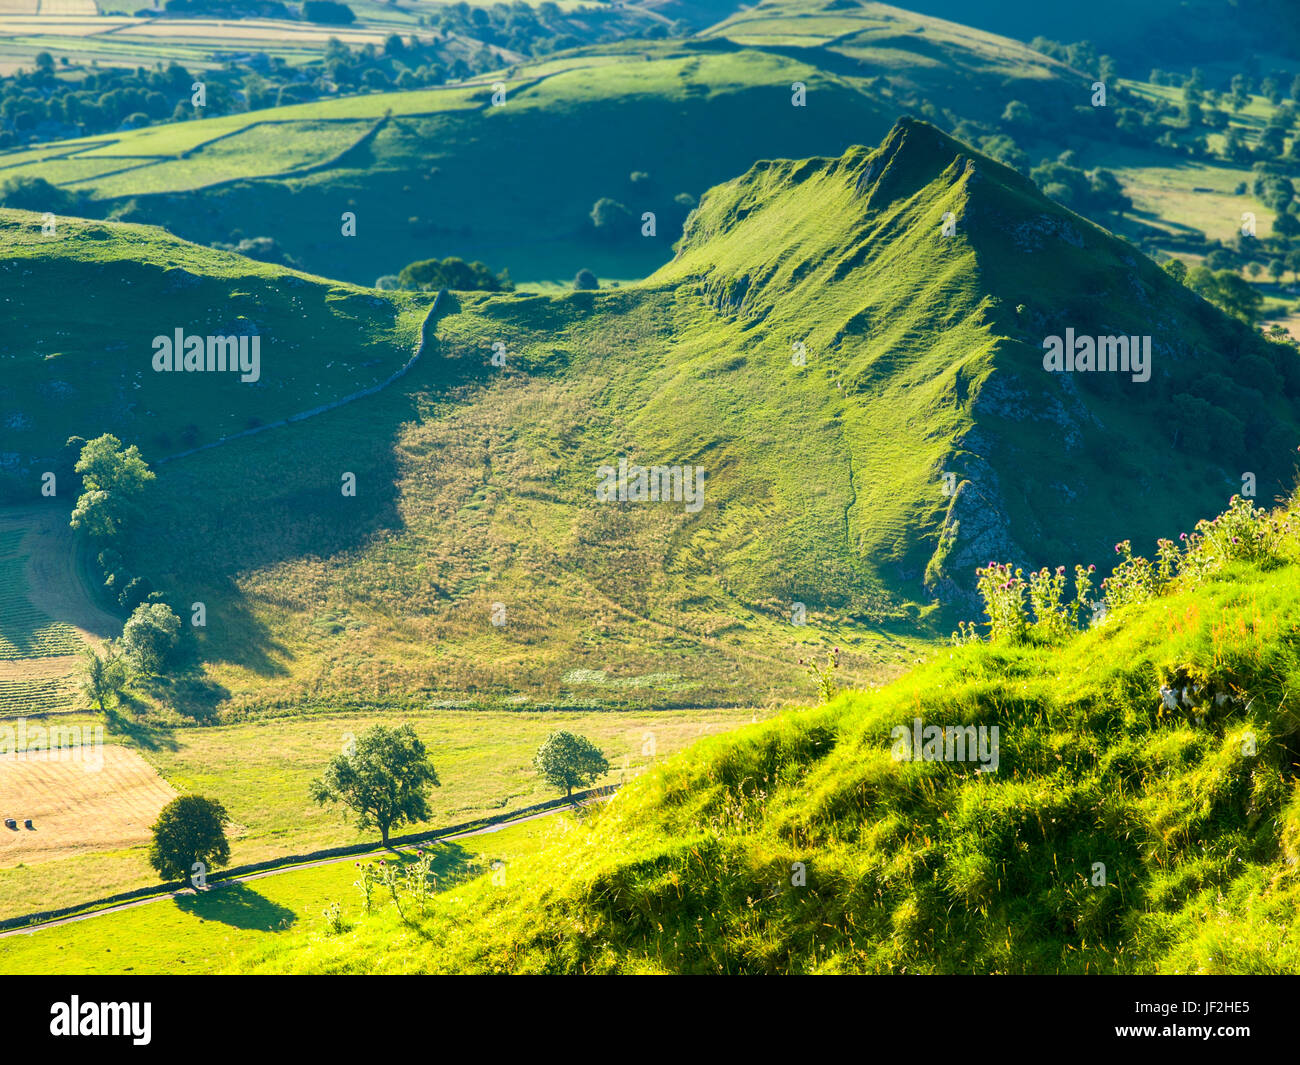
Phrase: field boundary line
(324,408)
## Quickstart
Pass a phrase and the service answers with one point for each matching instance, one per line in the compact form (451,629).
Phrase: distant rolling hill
(644,123)
(1155,32)
(866,396)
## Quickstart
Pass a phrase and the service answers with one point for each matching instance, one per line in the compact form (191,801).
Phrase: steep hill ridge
(942,338)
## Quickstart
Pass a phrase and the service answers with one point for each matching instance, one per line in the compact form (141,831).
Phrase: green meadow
(209,932)
(261,772)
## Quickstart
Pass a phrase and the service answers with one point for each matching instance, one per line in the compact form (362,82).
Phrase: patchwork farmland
(47,616)
(832,467)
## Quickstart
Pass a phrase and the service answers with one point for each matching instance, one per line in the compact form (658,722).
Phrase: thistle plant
(1133,580)
(366,884)
(1003,591)
(825,675)
(1168,560)
(390,876)
(421,881)
(1081,608)
(333,914)
(1046,596)
(1243,531)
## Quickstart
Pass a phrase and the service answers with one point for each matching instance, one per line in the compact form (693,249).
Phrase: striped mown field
(78,798)
(47,616)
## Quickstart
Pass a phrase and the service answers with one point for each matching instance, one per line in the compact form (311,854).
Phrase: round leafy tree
(150,634)
(113,478)
(384,778)
(568,761)
(189,829)
(610,217)
(104,677)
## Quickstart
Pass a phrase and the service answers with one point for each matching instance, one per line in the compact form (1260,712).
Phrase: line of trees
(62,99)
(382,776)
(114,483)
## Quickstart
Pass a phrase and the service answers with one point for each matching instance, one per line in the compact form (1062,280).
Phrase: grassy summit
(924,355)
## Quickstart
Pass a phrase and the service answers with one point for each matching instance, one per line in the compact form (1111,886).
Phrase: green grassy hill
(436,171)
(925,353)
(825,481)
(1111,834)
(91,367)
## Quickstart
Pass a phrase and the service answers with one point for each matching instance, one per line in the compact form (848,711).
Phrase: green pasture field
(260,771)
(209,932)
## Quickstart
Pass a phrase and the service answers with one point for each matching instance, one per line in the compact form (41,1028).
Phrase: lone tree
(113,478)
(189,829)
(105,677)
(610,218)
(150,634)
(568,761)
(384,779)
(430,275)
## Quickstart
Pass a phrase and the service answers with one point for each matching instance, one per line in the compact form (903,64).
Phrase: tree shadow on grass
(1137,219)
(237,905)
(191,695)
(129,719)
(452,863)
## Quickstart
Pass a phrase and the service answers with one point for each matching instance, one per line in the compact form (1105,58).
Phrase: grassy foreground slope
(1115,836)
